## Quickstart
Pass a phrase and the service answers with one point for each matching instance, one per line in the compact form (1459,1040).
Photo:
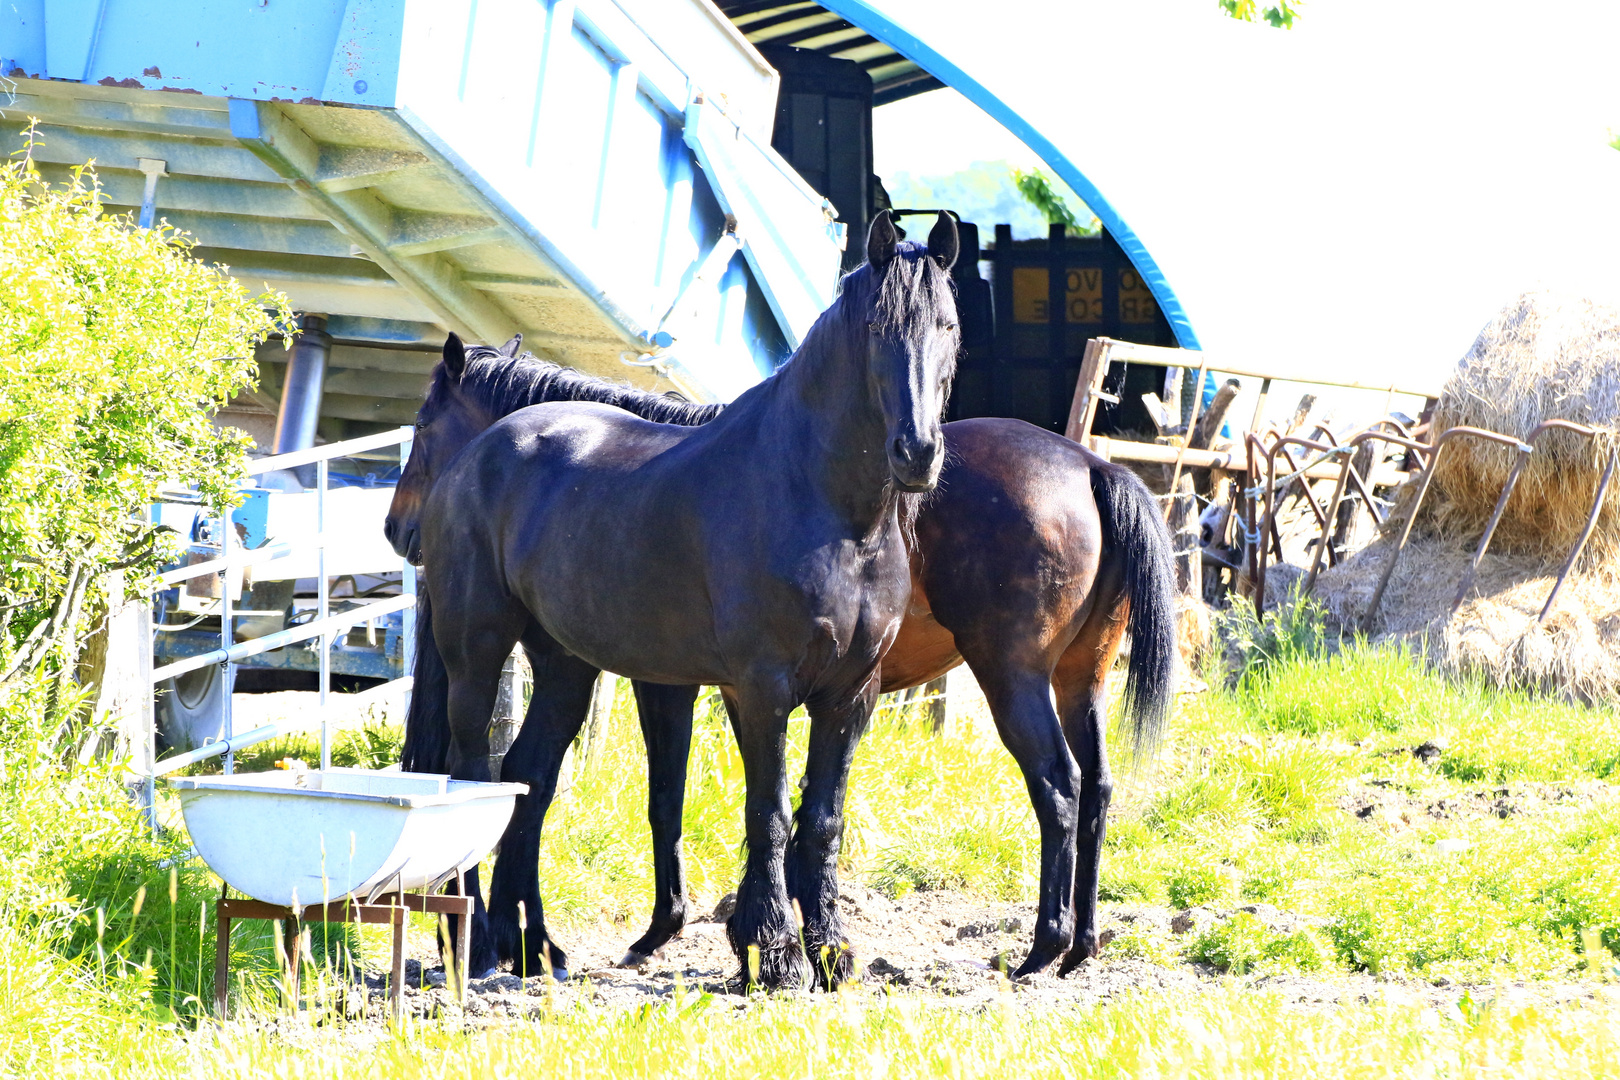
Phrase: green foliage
(115,344)
(81,875)
(1142,945)
(1281,15)
(1198,882)
(1243,943)
(374,745)
(1295,629)
(985,194)
(1039,191)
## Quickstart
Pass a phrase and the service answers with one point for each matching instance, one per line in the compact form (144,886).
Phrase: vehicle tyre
(190,709)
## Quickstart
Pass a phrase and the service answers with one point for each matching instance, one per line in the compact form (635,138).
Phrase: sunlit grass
(1246,803)
(864,1034)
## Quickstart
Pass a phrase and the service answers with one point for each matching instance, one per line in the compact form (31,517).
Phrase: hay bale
(1545,356)
(1495,634)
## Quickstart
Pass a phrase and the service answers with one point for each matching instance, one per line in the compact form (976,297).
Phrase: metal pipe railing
(282,638)
(325,626)
(265,732)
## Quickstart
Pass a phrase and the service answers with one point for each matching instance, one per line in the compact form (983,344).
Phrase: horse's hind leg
(475,637)
(1020,700)
(666,727)
(1079,679)
(812,856)
(557,709)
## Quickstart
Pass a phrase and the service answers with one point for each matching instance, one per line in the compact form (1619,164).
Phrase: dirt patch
(1389,803)
(945,947)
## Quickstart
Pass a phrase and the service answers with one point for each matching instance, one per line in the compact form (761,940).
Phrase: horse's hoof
(486,973)
(560,974)
(632,959)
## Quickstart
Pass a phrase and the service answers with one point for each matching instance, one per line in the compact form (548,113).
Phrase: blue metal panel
(365,56)
(22,37)
(549,138)
(790,237)
(291,50)
(70,36)
(863,14)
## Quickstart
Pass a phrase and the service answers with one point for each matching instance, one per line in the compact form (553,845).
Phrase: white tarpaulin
(1366,189)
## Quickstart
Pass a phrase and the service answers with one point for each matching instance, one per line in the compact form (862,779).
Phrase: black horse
(761,552)
(1030,560)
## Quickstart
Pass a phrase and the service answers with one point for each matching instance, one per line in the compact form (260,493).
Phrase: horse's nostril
(900,450)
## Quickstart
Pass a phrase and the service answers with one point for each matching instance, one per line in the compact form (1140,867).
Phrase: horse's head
(447,421)
(911,345)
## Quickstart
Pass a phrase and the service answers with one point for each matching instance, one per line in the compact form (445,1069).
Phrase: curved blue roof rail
(864,15)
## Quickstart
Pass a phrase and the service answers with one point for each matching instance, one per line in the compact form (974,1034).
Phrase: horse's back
(1012,536)
(583,435)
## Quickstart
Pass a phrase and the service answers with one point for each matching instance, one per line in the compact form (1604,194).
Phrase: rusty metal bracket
(1586,534)
(1269,490)
(1501,506)
(1440,444)
(1371,434)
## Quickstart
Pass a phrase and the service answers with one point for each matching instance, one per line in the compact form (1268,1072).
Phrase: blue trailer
(582,171)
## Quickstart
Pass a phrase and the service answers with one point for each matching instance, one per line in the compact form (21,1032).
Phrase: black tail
(1133,527)
(427,721)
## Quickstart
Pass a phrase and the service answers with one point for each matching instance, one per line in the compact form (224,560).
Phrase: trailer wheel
(190,709)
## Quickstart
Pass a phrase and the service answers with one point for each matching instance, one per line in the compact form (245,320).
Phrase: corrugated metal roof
(807,25)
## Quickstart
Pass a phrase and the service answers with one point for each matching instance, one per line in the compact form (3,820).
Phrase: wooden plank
(1093,366)
(1130,352)
(1229,460)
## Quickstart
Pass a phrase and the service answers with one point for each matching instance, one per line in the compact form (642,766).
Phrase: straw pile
(1544,356)
(1495,633)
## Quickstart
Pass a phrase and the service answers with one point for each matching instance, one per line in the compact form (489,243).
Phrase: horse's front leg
(473,662)
(762,930)
(666,727)
(812,862)
(557,709)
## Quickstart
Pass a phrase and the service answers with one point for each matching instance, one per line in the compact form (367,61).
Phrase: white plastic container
(299,838)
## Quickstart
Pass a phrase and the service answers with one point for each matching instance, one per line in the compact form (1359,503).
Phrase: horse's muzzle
(405,540)
(915,462)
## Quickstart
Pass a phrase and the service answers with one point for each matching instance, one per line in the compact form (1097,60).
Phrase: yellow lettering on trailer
(1135,300)
(1083,295)
(1030,294)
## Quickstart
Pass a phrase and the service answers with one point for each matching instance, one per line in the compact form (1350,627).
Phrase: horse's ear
(881,241)
(455,357)
(943,245)
(511,347)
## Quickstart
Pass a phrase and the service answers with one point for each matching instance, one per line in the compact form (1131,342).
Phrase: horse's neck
(825,403)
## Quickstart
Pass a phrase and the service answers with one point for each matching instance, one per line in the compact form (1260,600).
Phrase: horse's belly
(922,651)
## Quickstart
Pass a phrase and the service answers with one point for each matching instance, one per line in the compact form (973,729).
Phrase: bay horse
(1029,561)
(761,552)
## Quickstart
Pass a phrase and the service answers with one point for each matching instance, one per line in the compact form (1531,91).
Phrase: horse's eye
(950,328)
(872,326)
(421,423)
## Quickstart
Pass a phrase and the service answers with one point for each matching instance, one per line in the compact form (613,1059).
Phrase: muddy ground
(945,947)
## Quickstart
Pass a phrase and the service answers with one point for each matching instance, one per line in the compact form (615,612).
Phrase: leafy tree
(1282,14)
(115,347)
(1037,189)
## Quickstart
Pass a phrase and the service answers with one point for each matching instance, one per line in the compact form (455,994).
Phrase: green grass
(1243,805)
(1246,803)
(1226,1034)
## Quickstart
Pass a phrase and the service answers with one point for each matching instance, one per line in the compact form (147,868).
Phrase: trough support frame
(389,909)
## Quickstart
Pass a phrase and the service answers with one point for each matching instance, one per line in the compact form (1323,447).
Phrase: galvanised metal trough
(299,838)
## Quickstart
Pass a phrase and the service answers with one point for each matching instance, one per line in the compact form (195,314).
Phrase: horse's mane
(504,384)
